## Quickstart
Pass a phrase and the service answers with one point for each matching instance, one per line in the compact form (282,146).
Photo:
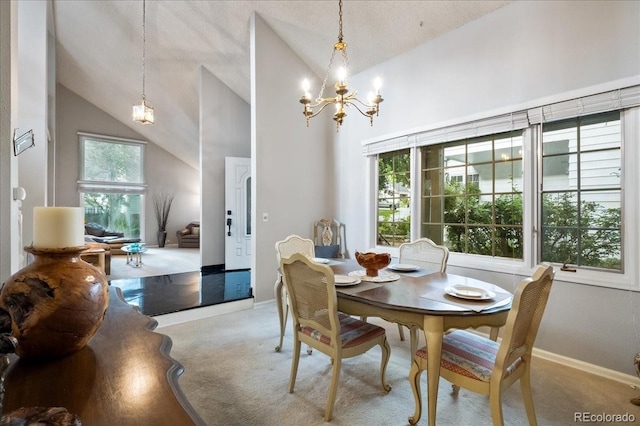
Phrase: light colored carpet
(156,261)
(233,376)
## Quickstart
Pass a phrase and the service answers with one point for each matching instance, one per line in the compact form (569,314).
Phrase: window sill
(613,280)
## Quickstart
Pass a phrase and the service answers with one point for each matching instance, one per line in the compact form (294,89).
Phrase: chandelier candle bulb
(342,75)
(377,84)
(58,227)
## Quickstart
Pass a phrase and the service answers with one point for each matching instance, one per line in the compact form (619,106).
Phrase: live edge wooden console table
(125,376)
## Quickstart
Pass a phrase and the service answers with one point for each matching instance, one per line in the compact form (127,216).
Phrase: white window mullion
(416,193)
(530,207)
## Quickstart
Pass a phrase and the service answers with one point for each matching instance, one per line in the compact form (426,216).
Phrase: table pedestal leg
(433,332)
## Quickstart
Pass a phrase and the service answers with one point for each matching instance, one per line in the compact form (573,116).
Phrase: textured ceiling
(99,51)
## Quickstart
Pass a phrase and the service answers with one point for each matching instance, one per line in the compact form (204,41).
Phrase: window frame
(91,186)
(532,163)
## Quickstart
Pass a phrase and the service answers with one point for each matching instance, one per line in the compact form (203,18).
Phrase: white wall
(291,164)
(520,55)
(32,107)
(225,131)
(163,170)
(8,166)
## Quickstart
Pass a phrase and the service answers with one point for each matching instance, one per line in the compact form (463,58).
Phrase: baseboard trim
(586,367)
(203,312)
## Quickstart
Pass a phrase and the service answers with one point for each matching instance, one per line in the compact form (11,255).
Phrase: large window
(112,183)
(394,196)
(581,193)
(555,183)
(472,195)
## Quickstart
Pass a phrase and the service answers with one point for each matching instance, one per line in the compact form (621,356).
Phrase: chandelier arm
(325,101)
(360,102)
(349,103)
(320,110)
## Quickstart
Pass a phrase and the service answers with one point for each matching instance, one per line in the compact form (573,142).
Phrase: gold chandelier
(343,98)
(142,111)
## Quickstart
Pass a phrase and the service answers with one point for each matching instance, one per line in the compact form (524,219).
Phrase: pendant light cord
(144,43)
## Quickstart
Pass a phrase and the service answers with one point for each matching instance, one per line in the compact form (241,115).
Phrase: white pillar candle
(58,227)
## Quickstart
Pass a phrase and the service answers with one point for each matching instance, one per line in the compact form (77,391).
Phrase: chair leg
(495,403)
(525,385)
(294,362)
(282,307)
(386,354)
(401,333)
(333,389)
(414,380)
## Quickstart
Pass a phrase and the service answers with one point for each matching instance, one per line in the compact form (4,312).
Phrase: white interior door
(237,224)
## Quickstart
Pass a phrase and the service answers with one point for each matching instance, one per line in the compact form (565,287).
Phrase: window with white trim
(557,183)
(111,183)
(472,195)
(394,189)
(581,192)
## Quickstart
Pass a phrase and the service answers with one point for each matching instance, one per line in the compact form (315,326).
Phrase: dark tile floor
(178,292)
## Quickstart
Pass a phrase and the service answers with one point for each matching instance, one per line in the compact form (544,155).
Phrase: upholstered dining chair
(486,367)
(285,248)
(317,322)
(428,255)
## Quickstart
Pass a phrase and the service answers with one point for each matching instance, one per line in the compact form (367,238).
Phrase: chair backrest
(328,237)
(523,321)
(294,244)
(424,253)
(312,295)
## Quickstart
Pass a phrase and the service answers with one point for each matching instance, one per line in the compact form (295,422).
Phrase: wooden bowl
(373,262)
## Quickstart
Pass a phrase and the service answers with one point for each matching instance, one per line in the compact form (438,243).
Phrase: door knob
(229,225)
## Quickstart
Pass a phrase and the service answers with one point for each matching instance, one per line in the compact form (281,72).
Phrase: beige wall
(291,168)
(225,131)
(75,114)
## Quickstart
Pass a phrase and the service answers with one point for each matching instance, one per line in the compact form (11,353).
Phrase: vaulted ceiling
(99,48)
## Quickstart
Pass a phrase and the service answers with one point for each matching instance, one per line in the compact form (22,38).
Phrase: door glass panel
(247,214)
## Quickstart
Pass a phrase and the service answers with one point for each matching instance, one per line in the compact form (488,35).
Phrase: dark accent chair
(189,236)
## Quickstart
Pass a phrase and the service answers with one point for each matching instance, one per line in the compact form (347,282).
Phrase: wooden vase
(56,303)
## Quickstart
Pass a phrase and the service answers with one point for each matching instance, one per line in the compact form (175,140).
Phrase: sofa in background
(94,258)
(189,236)
(95,233)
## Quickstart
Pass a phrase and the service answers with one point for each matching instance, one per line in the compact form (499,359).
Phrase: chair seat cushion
(469,355)
(353,331)
(328,252)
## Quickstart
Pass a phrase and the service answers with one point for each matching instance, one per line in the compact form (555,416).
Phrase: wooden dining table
(418,299)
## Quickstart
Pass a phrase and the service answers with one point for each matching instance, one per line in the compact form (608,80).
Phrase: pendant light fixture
(343,99)
(142,111)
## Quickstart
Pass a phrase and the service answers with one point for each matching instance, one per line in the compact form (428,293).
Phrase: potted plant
(162,201)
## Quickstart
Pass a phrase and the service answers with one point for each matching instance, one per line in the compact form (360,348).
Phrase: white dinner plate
(320,260)
(403,267)
(345,280)
(470,293)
